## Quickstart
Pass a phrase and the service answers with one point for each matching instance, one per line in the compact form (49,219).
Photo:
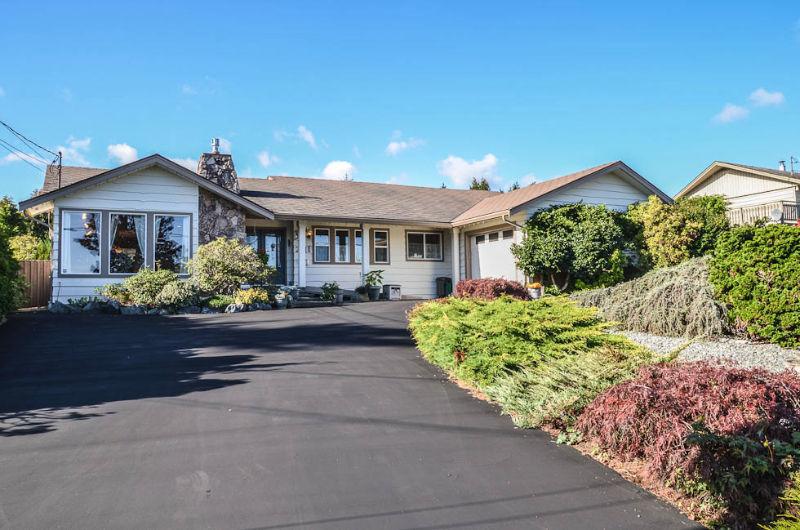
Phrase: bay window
(424,246)
(127,240)
(80,242)
(172,240)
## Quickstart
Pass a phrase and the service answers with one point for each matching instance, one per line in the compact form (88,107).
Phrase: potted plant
(362,293)
(332,293)
(535,290)
(373,281)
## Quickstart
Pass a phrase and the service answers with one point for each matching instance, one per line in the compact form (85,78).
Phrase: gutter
(510,222)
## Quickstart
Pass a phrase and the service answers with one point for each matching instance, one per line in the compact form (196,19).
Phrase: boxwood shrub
(490,288)
(756,273)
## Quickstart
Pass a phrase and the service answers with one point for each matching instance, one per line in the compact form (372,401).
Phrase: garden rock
(209,311)
(58,308)
(132,310)
(154,311)
(92,307)
(236,308)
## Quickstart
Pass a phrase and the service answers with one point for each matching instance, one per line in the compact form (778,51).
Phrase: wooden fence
(38,282)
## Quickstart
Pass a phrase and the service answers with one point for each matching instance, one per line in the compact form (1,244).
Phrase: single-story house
(109,223)
(752,193)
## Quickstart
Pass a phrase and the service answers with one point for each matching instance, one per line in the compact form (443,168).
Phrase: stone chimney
(218,167)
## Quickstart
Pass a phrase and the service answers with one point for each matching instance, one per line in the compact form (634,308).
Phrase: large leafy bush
(144,287)
(676,232)
(729,430)
(575,242)
(756,272)
(490,288)
(10,281)
(177,294)
(542,361)
(29,247)
(672,301)
(223,265)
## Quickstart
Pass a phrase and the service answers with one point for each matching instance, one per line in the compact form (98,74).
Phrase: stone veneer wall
(220,217)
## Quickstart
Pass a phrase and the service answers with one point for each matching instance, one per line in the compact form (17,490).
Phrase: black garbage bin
(444,286)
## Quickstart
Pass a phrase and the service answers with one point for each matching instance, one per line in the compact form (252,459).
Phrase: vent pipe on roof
(215,145)
(782,165)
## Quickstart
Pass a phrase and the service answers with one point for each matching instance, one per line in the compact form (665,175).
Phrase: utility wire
(15,153)
(24,154)
(25,139)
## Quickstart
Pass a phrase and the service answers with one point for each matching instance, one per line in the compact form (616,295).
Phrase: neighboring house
(107,224)
(752,193)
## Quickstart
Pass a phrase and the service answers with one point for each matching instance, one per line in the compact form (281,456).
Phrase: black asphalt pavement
(305,418)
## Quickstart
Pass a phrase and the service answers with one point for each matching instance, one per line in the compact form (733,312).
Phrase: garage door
(491,255)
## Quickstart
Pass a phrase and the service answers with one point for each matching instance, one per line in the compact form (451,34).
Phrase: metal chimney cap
(215,145)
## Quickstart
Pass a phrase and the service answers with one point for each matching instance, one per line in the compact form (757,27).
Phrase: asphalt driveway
(306,418)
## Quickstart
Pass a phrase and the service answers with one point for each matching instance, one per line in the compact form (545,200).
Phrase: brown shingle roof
(502,203)
(69,175)
(311,197)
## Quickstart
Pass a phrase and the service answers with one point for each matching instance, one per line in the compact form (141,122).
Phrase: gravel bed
(724,350)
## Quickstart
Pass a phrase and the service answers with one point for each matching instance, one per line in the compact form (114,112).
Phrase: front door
(271,242)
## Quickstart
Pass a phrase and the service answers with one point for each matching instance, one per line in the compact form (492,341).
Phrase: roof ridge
(369,182)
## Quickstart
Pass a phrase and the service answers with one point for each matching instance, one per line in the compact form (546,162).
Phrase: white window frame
(61,246)
(336,246)
(356,234)
(314,244)
(375,246)
(185,270)
(110,235)
(425,246)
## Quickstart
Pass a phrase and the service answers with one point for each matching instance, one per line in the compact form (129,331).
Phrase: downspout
(509,221)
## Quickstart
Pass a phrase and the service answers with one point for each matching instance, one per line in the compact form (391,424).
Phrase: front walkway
(305,418)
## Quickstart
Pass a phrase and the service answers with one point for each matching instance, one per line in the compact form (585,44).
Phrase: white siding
(416,278)
(152,189)
(610,189)
(733,183)
(788,194)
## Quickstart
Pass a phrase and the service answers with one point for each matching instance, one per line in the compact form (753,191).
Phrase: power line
(25,139)
(21,157)
(24,154)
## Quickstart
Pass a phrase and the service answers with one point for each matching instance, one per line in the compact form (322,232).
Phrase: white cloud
(10,158)
(731,113)
(527,180)
(266,159)
(225,145)
(188,163)
(75,150)
(303,134)
(402,178)
(397,145)
(123,153)
(307,136)
(339,170)
(188,90)
(761,97)
(461,172)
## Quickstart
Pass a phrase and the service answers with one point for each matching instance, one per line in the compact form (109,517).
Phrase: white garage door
(491,255)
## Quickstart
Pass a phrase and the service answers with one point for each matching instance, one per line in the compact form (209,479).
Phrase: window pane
(342,246)
(172,242)
(80,243)
(479,239)
(380,246)
(416,246)
(508,234)
(381,238)
(252,238)
(433,246)
(322,243)
(127,243)
(359,245)
(381,255)
(493,236)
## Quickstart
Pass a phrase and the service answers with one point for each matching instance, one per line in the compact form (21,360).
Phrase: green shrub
(223,265)
(144,287)
(756,273)
(542,361)
(790,518)
(220,301)
(115,291)
(574,243)
(254,295)
(11,284)
(676,232)
(29,247)
(178,294)
(674,301)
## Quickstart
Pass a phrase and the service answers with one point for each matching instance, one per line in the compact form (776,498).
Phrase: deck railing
(751,214)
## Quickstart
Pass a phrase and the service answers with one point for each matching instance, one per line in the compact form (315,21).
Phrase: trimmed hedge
(727,432)
(541,361)
(490,288)
(756,273)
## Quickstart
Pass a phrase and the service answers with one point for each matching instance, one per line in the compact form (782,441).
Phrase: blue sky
(408,92)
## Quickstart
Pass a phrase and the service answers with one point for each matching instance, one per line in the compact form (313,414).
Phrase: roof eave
(717,165)
(368,220)
(480,218)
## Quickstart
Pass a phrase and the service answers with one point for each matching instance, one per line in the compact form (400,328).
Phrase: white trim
(62,248)
(144,257)
(336,245)
(314,245)
(425,246)
(375,247)
(188,235)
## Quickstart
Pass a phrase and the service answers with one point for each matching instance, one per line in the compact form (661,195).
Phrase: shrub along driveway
(313,418)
